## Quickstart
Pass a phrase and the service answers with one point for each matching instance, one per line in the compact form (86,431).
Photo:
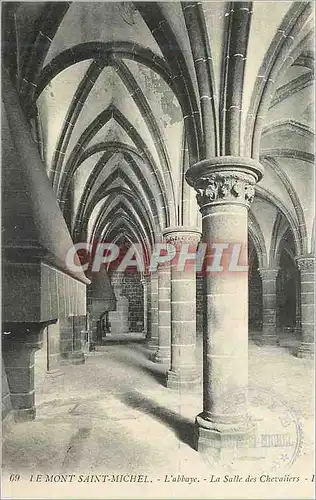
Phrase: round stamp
(274,441)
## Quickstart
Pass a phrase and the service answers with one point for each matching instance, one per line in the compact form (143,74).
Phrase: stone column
(163,352)
(20,341)
(298,309)
(99,331)
(306,265)
(93,333)
(269,312)
(225,189)
(147,309)
(144,282)
(153,340)
(183,373)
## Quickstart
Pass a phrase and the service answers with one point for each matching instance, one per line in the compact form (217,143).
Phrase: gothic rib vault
(134,106)
(123,98)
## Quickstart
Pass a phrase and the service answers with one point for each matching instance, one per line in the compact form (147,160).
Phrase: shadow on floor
(157,371)
(182,427)
(139,344)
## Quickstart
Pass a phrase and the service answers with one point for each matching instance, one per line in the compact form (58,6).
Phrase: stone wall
(131,288)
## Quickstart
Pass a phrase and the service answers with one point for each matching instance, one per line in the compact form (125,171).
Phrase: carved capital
(225,180)
(179,235)
(225,188)
(268,274)
(306,263)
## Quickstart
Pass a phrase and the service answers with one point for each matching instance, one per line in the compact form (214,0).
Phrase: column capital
(225,179)
(182,234)
(268,273)
(306,262)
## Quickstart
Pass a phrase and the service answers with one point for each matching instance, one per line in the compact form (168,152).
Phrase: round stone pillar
(225,189)
(162,354)
(306,265)
(145,305)
(268,279)
(183,373)
(152,342)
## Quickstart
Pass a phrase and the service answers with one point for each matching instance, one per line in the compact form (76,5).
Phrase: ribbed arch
(278,52)
(122,233)
(289,126)
(118,205)
(275,238)
(126,226)
(78,101)
(202,56)
(105,53)
(104,192)
(294,198)
(297,154)
(141,102)
(74,158)
(167,41)
(257,238)
(289,216)
(147,179)
(287,234)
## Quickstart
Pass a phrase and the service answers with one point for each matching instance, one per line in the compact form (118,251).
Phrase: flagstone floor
(113,415)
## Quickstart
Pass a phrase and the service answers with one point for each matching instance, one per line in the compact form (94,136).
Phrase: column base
(222,440)
(17,416)
(74,358)
(152,345)
(182,381)
(160,356)
(92,345)
(306,351)
(269,340)
(56,372)
(24,414)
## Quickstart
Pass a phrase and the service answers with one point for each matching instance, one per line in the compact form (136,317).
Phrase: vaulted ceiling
(123,96)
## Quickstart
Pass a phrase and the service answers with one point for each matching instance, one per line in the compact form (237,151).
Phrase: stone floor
(113,415)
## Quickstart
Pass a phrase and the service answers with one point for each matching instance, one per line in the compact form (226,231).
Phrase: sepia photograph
(158,250)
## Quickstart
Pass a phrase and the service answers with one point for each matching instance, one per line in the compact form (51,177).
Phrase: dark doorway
(255,292)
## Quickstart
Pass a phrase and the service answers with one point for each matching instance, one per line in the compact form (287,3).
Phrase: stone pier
(225,189)
(183,373)
(268,279)
(306,265)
